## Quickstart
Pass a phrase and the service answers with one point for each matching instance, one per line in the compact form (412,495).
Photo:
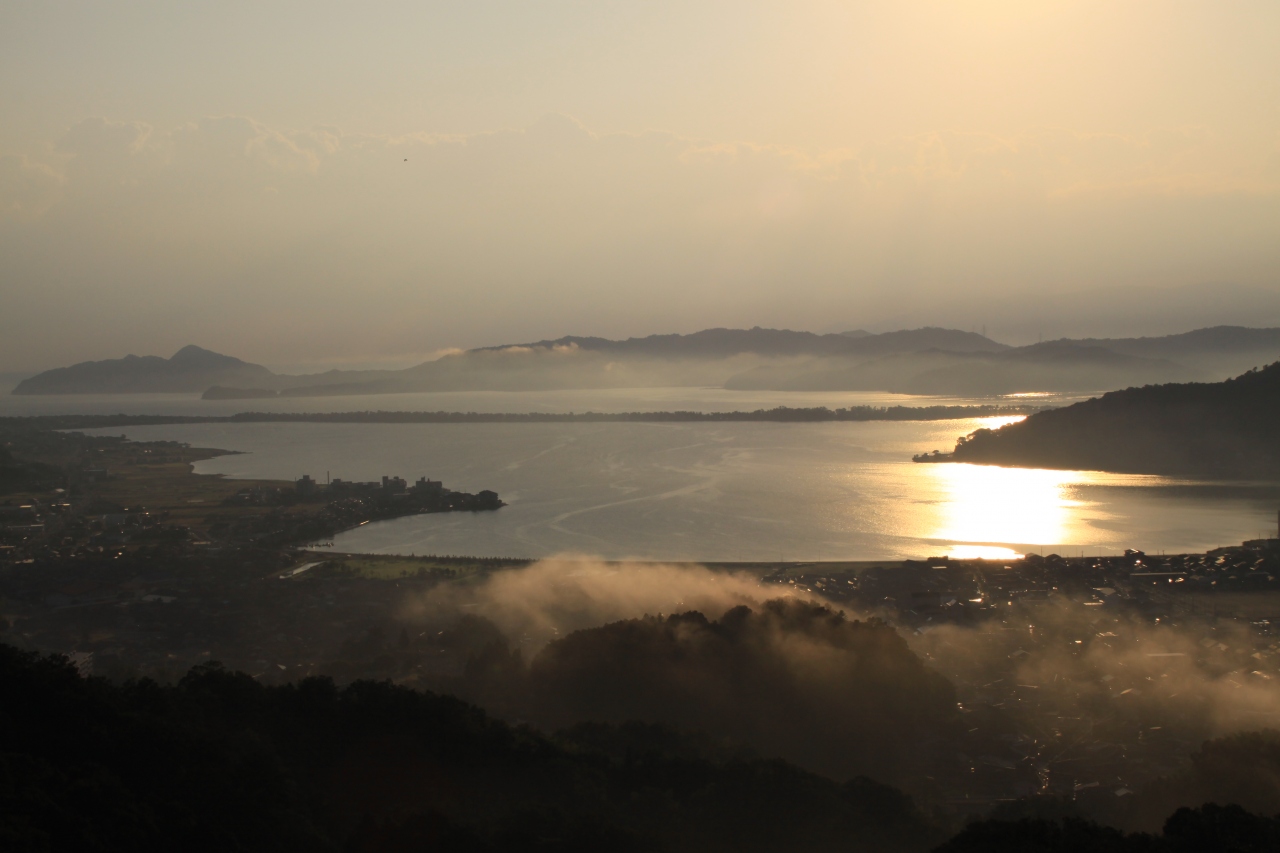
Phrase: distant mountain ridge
(1056,366)
(724,343)
(929,360)
(1220,429)
(1212,339)
(190,369)
(193,369)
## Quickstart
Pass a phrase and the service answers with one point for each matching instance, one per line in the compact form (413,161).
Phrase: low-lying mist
(1187,677)
(1061,696)
(554,597)
(1046,367)
(1109,711)
(784,675)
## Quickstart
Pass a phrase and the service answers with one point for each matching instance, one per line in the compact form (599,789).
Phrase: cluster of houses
(389,486)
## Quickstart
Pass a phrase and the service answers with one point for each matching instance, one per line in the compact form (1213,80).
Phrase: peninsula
(1218,430)
(74,493)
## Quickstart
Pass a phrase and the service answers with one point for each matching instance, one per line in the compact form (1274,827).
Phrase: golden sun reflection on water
(983,552)
(984,504)
(1005,420)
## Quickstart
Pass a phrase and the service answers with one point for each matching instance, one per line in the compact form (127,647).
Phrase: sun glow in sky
(396,178)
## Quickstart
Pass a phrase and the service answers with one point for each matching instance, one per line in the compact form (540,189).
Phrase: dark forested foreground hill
(840,696)
(1223,429)
(1208,829)
(221,762)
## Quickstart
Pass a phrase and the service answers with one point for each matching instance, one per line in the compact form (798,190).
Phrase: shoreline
(780,414)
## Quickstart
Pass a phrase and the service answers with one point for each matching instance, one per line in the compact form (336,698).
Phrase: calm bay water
(753,491)
(587,400)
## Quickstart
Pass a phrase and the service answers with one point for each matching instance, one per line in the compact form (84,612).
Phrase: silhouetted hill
(190,369)
(1208,829)
(866,703)
(570,362)
(220,762)
(1063,365)
(1053,366)
(1213,341)
(915,361)
(703,358)
(724,343)
(1223,429)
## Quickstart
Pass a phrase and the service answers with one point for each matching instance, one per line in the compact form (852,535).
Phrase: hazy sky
(302,183)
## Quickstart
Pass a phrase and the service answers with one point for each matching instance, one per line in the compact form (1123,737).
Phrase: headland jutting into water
(1197,429)
(116,554)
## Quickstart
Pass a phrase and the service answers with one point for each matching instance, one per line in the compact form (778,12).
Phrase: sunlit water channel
(728,492)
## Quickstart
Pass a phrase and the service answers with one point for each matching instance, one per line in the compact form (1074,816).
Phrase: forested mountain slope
(1223,429)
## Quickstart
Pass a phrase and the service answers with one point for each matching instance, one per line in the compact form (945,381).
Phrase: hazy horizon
(345,186)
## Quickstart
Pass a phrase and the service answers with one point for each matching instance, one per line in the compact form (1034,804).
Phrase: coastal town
(1083,678)
(115,553)
(1068,668)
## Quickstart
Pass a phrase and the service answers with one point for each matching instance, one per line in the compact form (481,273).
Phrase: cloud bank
(557,596)
(265,241)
